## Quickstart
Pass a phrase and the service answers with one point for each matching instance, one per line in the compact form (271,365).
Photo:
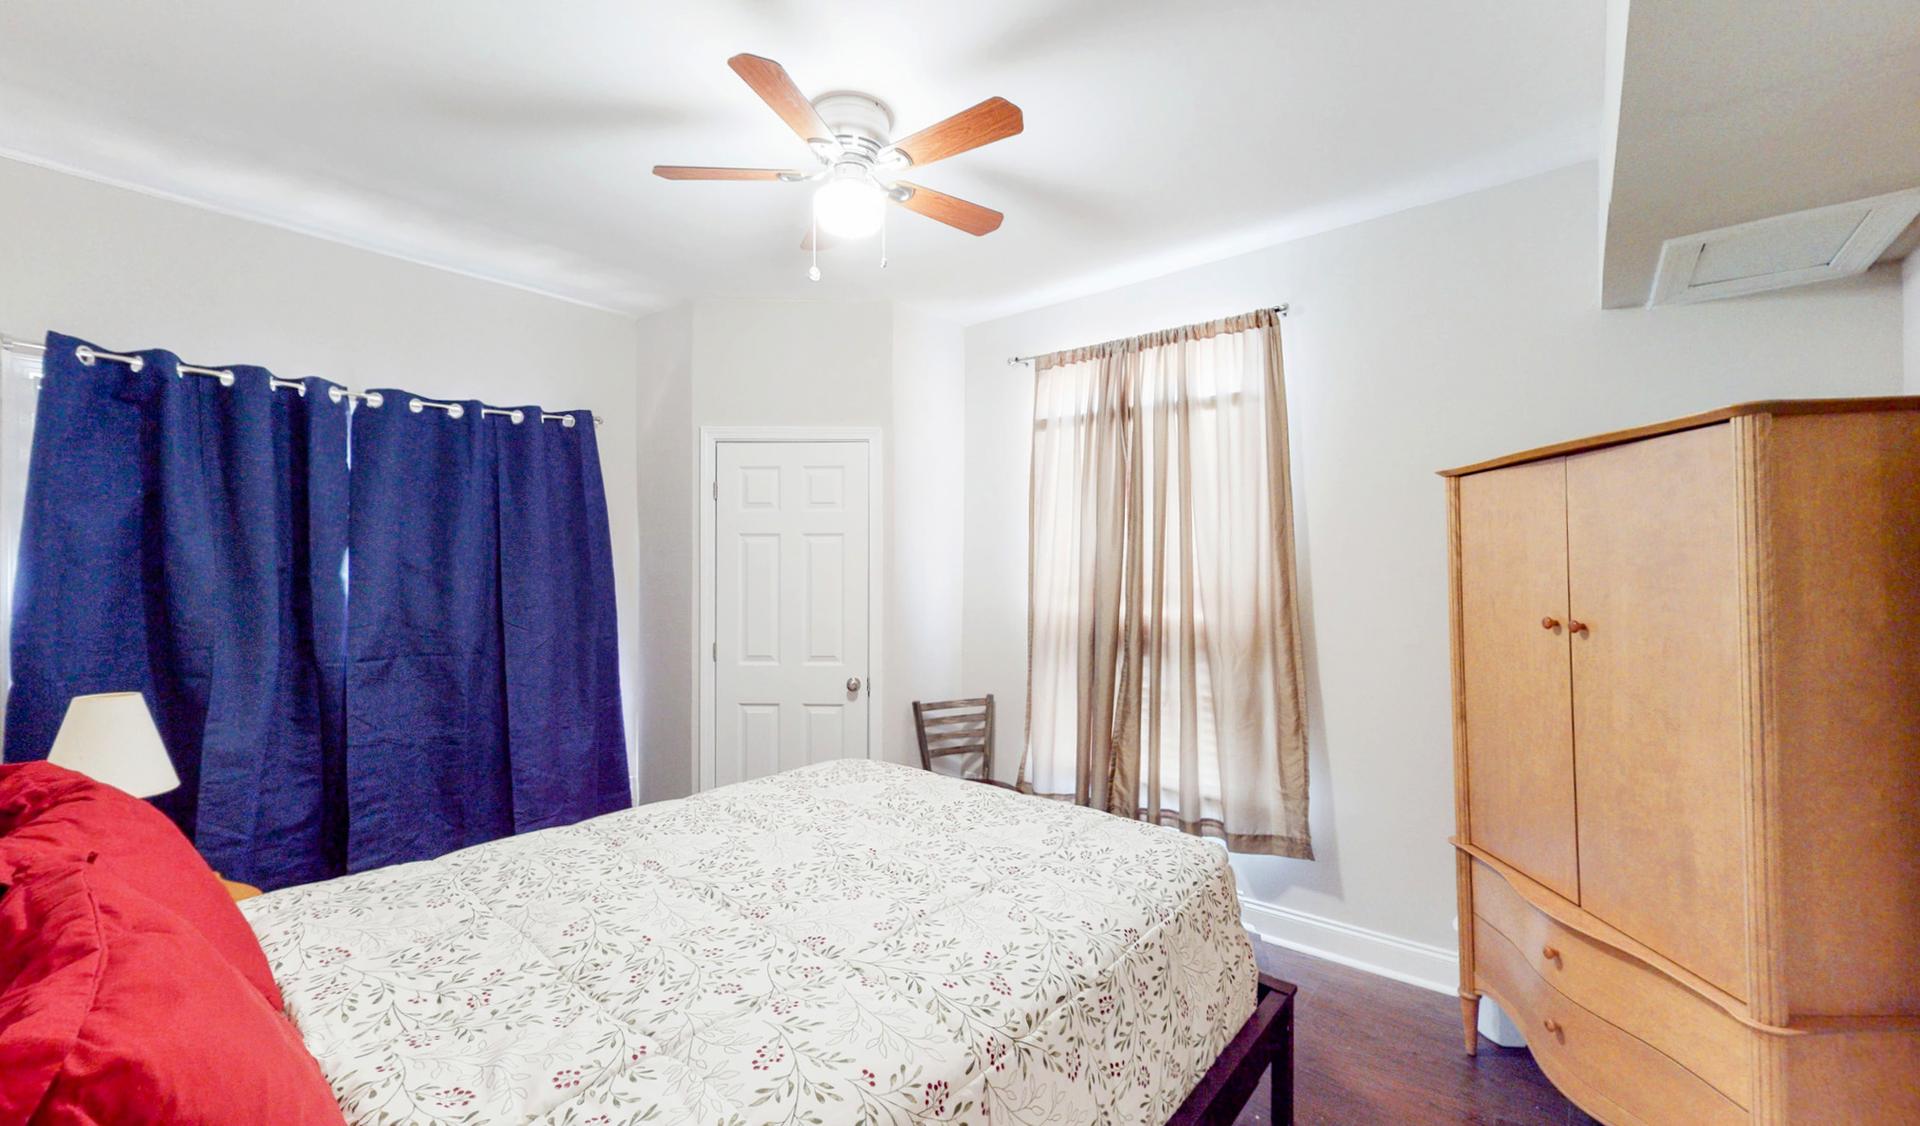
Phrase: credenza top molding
(1692,422)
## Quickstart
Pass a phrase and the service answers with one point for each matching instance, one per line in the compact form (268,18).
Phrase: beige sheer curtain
(1164,674)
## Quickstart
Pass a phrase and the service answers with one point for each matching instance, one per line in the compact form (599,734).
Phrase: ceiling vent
(1787,250)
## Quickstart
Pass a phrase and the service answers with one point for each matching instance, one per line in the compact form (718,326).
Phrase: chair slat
(952,746)
(947,705)
(974,739)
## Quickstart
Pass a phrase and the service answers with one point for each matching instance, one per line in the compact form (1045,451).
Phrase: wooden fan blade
(992,120)
(954,212)
(696,172)
(769,80)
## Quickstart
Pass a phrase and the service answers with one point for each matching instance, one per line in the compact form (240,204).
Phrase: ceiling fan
(859,163)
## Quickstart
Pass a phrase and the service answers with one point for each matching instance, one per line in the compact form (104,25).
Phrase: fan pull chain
(813,248)
(883,238)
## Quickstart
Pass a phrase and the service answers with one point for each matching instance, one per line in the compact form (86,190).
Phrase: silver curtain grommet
(374,399)
(415,405)
(568,423)
(138,363)
(518,416)
(456,411)
(226,379)
(85,355)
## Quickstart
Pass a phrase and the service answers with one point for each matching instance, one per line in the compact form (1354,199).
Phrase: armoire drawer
(1614,1075)
(1623,991)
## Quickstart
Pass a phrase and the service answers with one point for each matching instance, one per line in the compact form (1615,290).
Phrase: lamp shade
(110,737)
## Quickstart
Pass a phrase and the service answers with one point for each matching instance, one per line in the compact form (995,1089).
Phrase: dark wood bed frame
(1265,1041)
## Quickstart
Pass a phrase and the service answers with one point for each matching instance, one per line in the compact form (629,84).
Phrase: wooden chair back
(956,727)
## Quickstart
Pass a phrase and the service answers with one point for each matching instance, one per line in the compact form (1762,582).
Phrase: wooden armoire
(1686,676)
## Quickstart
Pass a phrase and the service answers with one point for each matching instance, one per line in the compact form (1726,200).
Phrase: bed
(847,942)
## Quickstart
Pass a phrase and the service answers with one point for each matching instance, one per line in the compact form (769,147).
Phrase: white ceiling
(514,140)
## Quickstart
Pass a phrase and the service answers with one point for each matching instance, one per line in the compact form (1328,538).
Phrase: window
(19,395)
(1164,679)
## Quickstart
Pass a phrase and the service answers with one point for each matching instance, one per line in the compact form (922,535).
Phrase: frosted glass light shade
(110,737)
(848,208)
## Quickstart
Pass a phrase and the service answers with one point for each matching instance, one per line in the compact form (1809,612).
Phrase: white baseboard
(1416,963)
(1497,1026)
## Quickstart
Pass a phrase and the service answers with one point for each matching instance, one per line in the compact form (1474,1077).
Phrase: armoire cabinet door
(1513,644)
(1654,577)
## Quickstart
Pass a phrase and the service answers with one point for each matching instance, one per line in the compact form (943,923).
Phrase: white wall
(928,482)
(132,271)
(796,363)
(667,466)
(1910,291)
(1430,338)
(792,363)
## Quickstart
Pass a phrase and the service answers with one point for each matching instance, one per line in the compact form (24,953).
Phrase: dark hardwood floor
(1369,1050)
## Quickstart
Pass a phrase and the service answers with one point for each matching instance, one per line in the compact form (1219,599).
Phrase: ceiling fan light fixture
(856,160)
(849,207)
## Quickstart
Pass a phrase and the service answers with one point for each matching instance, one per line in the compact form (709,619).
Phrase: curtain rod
(1012,361)
(87,356)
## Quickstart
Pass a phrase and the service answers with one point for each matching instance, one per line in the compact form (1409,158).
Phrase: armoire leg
(1470,1022)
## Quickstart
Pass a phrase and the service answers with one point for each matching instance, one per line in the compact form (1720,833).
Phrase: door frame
(705,561)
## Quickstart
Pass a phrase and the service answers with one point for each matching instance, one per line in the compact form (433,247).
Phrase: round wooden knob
(1551,1025)
(1550,954)
(1576,627)
(1549,623)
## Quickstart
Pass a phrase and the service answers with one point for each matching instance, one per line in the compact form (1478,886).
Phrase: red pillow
(53,816)
(113,1010)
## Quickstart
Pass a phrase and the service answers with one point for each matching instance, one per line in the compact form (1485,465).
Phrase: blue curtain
(351,665)
(483,695)
(561,647)
(427,768)
(184,538)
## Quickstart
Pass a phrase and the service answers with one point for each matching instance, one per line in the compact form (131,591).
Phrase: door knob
(853,685)
(1549,623)
(1576,627)
(1550,954)
(1551,1025)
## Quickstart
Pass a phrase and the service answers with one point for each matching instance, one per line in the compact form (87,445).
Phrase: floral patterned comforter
(851,942)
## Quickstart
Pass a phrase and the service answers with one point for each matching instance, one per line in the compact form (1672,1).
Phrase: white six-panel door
(790,578)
